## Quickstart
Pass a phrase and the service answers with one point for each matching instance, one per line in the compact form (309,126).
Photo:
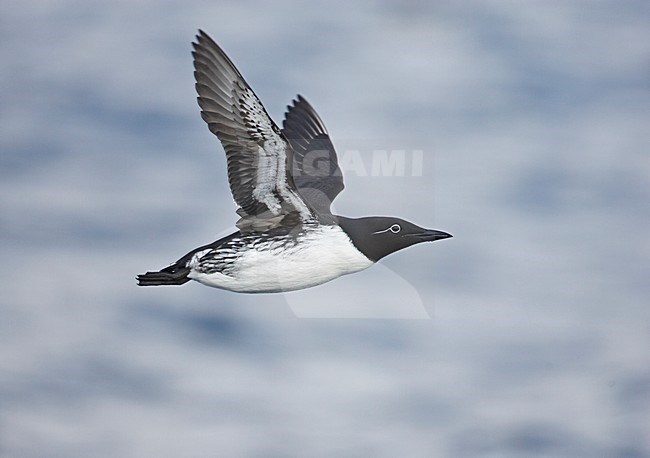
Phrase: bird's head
(379,236)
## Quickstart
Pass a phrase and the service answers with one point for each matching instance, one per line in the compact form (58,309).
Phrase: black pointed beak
(431,235)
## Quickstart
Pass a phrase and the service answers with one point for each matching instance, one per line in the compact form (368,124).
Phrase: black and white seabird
(284,181)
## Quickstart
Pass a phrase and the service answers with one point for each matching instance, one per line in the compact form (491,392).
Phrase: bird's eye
(395,228)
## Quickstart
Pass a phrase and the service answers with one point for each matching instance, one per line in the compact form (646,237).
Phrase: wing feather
(256,150)
(315,168)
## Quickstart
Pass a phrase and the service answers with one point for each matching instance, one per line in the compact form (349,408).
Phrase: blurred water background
(527,334)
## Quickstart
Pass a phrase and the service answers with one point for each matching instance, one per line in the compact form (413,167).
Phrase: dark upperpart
(379,236)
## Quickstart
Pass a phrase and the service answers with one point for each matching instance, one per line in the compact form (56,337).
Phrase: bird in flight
(284,181)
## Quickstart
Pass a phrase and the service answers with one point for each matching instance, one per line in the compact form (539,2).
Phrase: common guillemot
(284,181)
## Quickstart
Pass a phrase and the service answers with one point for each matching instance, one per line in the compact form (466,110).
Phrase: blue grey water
(533,121)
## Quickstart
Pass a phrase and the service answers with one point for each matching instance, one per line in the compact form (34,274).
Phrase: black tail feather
(176,274)
(172,275)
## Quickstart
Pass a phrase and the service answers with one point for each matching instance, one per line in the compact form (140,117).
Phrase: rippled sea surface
(527,334)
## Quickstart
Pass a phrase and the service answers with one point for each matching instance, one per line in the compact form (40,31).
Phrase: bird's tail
(172,275)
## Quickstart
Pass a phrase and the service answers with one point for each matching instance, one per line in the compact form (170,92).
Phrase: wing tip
(201,35)
(295,104)
(198,38)
(299,100)
(301,112)
(204,41)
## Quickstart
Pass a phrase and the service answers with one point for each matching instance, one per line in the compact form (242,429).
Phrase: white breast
(320,256)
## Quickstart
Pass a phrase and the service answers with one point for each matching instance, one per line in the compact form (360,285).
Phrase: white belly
(319,257)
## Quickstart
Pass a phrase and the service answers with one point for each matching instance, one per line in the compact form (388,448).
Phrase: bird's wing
(257,152)
(315,167)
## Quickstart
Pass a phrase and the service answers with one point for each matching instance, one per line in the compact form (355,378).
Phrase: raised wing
(314,167)
(255,148)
